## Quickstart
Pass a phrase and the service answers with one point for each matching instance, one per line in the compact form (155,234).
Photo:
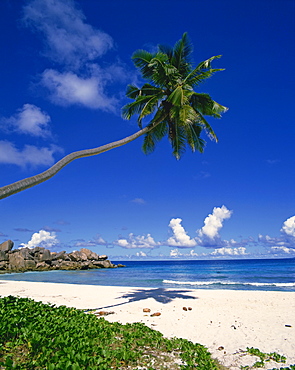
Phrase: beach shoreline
(225,321)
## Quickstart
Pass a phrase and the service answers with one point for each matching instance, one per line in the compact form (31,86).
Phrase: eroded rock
(6,246)
(42,259)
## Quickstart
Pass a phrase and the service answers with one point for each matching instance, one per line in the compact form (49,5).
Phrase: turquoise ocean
(251,274)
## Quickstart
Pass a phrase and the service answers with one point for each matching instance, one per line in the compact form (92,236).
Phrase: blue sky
(64,69)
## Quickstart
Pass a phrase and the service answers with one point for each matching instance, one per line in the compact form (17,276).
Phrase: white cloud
(29,155)
(134,241)
(175,253)
(68,39)
(28,120)
(140,254)
(214,222)
(180,237)
(67,89)
(41,239)
(208,235)
(285,243)
(282,249)
(99,241)
(76,45)
(289,226)
(229,251)
(122,243)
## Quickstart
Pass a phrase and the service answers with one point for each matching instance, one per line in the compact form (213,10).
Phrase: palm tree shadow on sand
(161,295)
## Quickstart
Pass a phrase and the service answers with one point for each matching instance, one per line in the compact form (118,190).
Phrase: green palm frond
(189,121)
(208,128)
(197,76)
(161,115)
(207,106)
(141,60)
(132,91)
(149,143)
(158,58)
(149,107)
(143,106)
(206,64)
(169,97)
(176,97)
(179,120)
(181,54)
(178,141)
(166,49)
(135,107)
(187,115)
(202,71)
(153,136)
(199,143)
(164,74)
(148,89)
(218,109)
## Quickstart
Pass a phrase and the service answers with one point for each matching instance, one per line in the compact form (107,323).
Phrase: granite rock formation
(41,259)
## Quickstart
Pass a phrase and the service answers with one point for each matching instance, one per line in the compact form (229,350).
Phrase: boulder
(42,266)
(55,263)
(45,256)
(41,259)
(90,255)
(69,265)
(6,246)
(29,264)
(85,265)
(25,252)
(16,261)
(3,265)
(3,256)
(35,252)
(103,264)
(59,256)
(78,256)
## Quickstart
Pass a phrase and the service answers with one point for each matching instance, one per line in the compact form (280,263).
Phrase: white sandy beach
(225,321)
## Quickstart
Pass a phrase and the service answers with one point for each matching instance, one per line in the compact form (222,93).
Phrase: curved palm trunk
(29,182)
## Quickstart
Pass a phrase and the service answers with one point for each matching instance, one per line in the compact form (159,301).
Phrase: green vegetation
(265,357)
(42,336)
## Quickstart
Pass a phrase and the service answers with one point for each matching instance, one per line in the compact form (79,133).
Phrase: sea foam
(203,283)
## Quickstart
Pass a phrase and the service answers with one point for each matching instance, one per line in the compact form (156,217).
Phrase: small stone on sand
(156,314)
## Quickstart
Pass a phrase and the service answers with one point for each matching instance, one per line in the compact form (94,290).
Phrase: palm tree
(169,93)
(176,109)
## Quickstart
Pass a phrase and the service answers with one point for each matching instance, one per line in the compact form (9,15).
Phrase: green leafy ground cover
(42,336)
(265,357)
